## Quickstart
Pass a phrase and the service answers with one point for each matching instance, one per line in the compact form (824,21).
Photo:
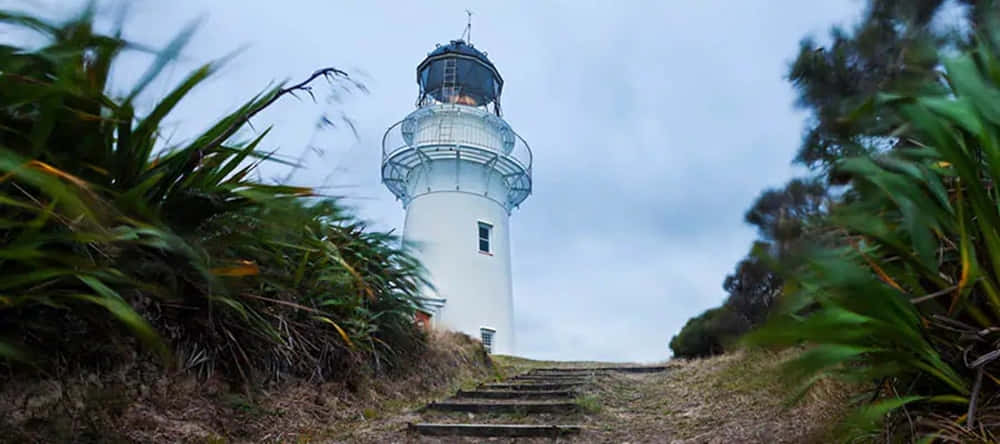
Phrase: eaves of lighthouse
(459,170)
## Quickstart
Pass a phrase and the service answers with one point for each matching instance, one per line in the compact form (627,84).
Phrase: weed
(369,413)
(588,403)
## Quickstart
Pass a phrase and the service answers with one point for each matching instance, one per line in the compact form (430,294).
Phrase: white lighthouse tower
(460,170)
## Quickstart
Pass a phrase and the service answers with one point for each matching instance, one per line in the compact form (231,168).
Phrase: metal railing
(457,125)
(446,132)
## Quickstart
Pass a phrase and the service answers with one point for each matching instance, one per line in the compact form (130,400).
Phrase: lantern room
(458,73)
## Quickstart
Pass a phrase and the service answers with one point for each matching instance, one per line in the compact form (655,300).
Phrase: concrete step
(531,386)
(568,370)
(642,369)
(515,394)
(552,378)
(577,375)
(527,408)
(626,369)
(494,430)
(561,374)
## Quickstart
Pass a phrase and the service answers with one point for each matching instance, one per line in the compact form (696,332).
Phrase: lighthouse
(460,170)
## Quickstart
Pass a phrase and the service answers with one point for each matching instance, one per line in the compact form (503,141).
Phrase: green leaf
(869,418)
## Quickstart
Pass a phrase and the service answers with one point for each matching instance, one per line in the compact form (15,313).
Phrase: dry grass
(735,398)
(513,365)
(141,404)
(738,397)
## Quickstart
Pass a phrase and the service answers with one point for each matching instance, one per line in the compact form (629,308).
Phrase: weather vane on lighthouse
(459,170)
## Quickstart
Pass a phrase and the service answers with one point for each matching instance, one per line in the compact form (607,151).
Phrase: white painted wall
(444,226)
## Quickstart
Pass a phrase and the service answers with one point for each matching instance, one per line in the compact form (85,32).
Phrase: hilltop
(737,397)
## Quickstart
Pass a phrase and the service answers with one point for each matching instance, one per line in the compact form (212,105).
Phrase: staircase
(541,403)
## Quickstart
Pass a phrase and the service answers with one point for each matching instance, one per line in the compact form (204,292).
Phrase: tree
(753,289)
(708,334)
(782,215)
(895,43)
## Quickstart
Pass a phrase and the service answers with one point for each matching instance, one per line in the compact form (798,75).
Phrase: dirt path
(727,399)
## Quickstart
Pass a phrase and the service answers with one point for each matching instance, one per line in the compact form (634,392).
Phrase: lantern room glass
(458,73)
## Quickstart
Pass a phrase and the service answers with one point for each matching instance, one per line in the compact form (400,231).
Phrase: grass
(513,365)
(706,400)
(588,403)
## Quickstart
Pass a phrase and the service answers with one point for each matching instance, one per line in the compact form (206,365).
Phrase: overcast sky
(654,126)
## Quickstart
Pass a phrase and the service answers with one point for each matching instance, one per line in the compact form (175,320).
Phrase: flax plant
(110,233)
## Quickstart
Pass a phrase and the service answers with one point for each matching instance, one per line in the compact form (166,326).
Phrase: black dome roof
(460,47)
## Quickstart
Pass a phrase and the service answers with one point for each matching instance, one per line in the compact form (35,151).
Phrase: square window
(485,233)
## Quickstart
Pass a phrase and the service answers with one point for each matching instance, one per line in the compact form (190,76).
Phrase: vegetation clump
(112,235)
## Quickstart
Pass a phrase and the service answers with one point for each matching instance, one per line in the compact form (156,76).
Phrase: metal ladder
(450,80)
(450,86)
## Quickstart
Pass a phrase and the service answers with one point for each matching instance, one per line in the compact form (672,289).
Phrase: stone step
(515,394)
(531,386)
(494,430)
(527,408)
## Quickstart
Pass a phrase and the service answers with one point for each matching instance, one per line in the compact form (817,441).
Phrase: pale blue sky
(654,125)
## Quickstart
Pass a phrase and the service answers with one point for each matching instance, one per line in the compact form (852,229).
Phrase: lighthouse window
(487,335)
(485,231)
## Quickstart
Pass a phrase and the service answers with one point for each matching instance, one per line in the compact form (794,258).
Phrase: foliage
(753,290)
(104,226)
(782,216)
(895,42)
(910,298)
(589,403)
(708,333)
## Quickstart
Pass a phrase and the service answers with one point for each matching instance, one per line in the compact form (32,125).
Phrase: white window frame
(489,237)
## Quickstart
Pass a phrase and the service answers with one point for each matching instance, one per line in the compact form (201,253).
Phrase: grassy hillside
(137,402)
(738,397)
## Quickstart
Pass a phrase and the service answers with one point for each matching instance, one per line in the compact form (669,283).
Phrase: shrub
(709,333)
